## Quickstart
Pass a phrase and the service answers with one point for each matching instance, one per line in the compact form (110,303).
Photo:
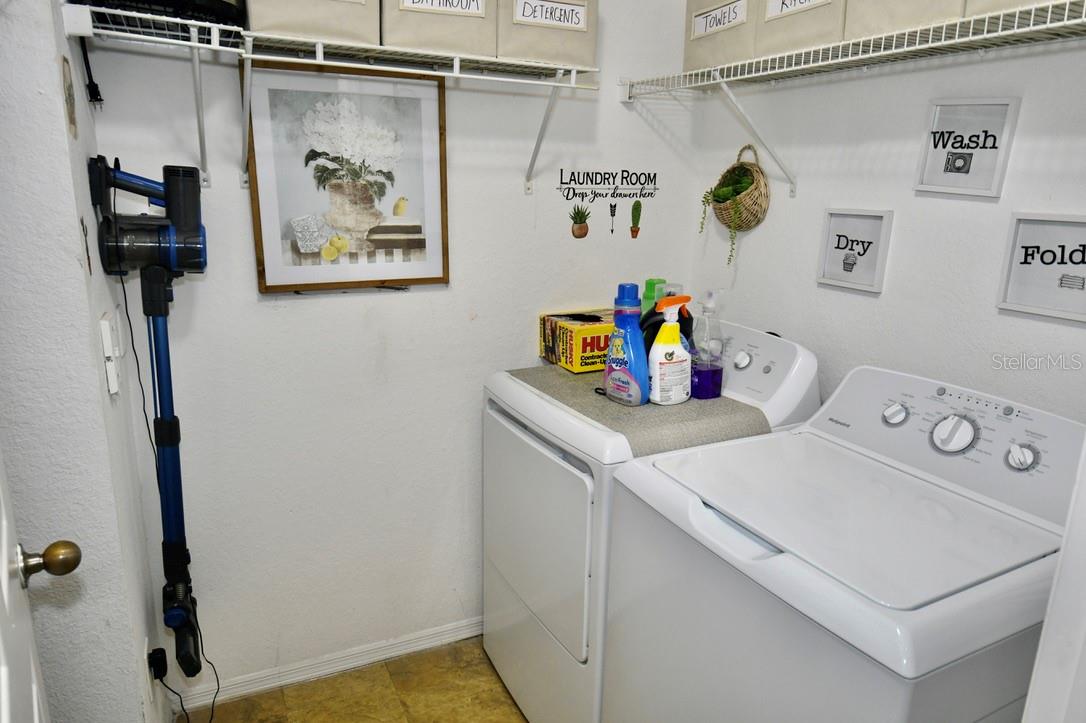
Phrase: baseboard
(325,665)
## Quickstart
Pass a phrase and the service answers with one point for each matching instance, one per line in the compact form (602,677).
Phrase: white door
(21,697)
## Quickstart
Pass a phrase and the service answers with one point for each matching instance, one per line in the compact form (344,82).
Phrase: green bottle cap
(648,299)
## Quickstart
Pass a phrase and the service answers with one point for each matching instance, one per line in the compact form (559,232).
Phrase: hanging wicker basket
(749,208)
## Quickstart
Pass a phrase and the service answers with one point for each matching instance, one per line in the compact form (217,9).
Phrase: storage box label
(719,18)
(780,8)
(566,16)
(474,8)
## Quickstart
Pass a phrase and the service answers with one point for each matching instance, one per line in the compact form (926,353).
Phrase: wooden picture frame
(1044,270)
(855,249)
(957,157)
(344,215)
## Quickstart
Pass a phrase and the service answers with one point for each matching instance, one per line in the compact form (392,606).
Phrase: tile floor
(451,684)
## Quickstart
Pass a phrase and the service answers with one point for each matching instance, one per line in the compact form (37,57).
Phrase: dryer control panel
(756,364)
(992,449)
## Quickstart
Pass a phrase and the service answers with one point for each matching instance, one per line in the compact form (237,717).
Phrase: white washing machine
(887,561)
(551,446)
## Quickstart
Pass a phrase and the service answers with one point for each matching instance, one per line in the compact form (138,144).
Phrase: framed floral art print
(347,178)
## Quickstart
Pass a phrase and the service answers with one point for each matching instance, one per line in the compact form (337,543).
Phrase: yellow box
(576,340)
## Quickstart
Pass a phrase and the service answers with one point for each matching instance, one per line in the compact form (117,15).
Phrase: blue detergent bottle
(626,379)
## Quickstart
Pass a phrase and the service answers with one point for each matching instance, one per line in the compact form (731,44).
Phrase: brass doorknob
(60,558)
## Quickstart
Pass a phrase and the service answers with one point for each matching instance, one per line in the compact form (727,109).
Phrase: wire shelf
(313,52)
(254,47)
(1039,23)
(161,30)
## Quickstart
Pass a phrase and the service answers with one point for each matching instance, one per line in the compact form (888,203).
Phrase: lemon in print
(329,252)
(339,243)
(400,207)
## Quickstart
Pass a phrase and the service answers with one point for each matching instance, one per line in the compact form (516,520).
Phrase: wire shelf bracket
(738,107)
(529,181)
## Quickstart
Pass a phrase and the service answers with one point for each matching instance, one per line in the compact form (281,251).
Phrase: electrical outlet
(111,351)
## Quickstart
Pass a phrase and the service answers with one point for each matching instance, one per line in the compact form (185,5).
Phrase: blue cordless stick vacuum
(161,248)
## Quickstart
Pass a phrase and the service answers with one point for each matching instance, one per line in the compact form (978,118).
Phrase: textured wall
(854,141)
(68,449)
(331,442)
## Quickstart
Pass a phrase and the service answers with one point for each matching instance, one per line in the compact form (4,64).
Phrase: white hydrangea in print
(345,145)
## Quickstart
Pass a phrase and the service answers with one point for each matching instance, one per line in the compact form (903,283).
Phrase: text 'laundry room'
(559,361)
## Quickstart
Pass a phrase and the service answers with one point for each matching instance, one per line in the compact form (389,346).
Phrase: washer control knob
(954,434)
(742,360)
(1022,457)
(896,414)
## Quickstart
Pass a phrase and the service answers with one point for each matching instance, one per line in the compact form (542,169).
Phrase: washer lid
(892,537)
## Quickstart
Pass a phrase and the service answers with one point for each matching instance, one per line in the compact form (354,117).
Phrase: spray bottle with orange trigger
(669,360)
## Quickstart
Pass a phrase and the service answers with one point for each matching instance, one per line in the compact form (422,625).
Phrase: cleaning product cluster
(652,355)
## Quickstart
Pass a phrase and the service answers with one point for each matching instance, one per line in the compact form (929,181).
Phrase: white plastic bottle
(669,361)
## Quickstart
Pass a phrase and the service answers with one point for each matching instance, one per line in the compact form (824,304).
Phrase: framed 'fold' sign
(967,146)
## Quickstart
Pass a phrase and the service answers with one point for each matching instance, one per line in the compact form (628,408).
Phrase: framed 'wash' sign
(967,146)
(1045,270)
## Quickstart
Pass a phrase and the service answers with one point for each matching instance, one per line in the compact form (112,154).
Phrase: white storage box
(787,25)
(446,26)
(562,32)
(337,21)
(983,7)
(719,32)
(882,17)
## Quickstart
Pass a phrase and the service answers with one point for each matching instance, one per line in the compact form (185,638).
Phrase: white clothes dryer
(551,446)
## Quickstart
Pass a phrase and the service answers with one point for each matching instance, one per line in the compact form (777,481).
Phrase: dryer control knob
(896,414)
(742,360)
(1022,457)
(954,434)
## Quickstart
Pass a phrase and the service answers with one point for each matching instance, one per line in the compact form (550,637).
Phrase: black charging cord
(94,93)
(180,700)
(139,378)
(203,652)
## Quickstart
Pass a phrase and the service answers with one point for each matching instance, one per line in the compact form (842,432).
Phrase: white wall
(853,139)
(331,442)
(68,447)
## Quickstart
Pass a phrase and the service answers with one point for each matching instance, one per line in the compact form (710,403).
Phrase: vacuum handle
(187,650)
(139,185)
(182,194)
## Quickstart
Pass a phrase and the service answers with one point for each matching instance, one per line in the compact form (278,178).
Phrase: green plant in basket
(734,183)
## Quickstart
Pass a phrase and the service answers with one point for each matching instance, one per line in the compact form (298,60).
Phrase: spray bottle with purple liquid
(707,369)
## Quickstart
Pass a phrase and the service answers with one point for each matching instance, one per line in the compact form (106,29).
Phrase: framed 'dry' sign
(1045,270)
(855,247)
(347,178)
(967,146)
